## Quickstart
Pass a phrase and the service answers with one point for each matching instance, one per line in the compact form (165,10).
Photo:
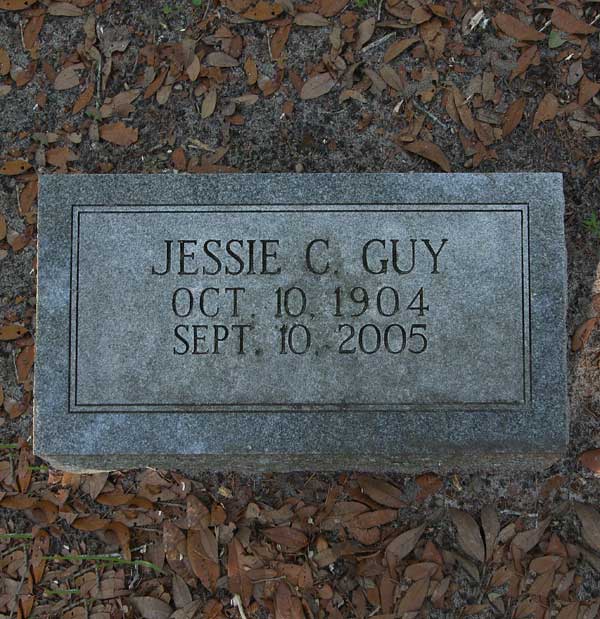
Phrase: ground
(204,87)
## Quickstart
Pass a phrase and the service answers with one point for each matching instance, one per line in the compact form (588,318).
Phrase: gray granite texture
(318,321)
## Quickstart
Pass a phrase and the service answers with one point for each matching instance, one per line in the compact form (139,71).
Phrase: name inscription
(244,257)
(287,308)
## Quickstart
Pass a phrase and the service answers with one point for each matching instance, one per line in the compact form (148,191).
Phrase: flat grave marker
(317,321)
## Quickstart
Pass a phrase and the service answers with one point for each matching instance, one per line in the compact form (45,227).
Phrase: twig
(429,114)
(379,41)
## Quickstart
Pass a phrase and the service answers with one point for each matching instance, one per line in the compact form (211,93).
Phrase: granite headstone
(317,321)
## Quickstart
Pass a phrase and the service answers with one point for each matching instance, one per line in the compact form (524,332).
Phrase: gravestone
(318,321)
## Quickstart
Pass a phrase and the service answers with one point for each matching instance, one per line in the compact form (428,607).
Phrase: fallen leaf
(382,492)
(317,86)
(238,580)
(151,608)
(491,527)
(397,47)
(590,459)
(366,29)
(310,19)
(67,78)
(582,333)
(118,133)
(469,534)
(16,5)
(513,116)
(15,167)
(209,103)
(517,29)
(64,9)
(430,151)
(24,363)
(251,70)
(263,11)
(590,524)
(203,555)
(402,545)
(547,110)
(566,22)
(530,56)
(329,8)
(83,100)
(4,62)
(391,78)
(587,90)
(279,40)
(220,59)
(527,540)
(293,539)
(413,599)
(2,227)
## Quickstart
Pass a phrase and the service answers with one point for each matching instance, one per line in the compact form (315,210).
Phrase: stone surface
(276,322)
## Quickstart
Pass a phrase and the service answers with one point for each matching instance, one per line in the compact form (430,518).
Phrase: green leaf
(555,40)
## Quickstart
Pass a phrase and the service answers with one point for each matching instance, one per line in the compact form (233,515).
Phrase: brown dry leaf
(530,56)
(491,527)
(263,11)
(397,47)
(67,78)
(12,332)
(563,20)
(366,29)
(310,19)
(420,15)
(15,167)
(251,71)
(527,540)
(374,519)
(279,40)
(513,116)
(220,59)
(203,555)
(64,9)
(317,86)
(517,29)
(469,534)
(24,363)
(382,492)
(391,78)
(60,156)
(83,100)
(118,133)
(32,31)
(590,525)
(193,68)
(590,459)
(287,606)
(402,545)
(182,595)
(293,539)
(582,333)
(429,483)
(587,90)
(2,227)
(547,110)
(414,598)
(430,151)
(4,62)
(16,5)
(209,103)
(238,580)
(151,608)
(329,8)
